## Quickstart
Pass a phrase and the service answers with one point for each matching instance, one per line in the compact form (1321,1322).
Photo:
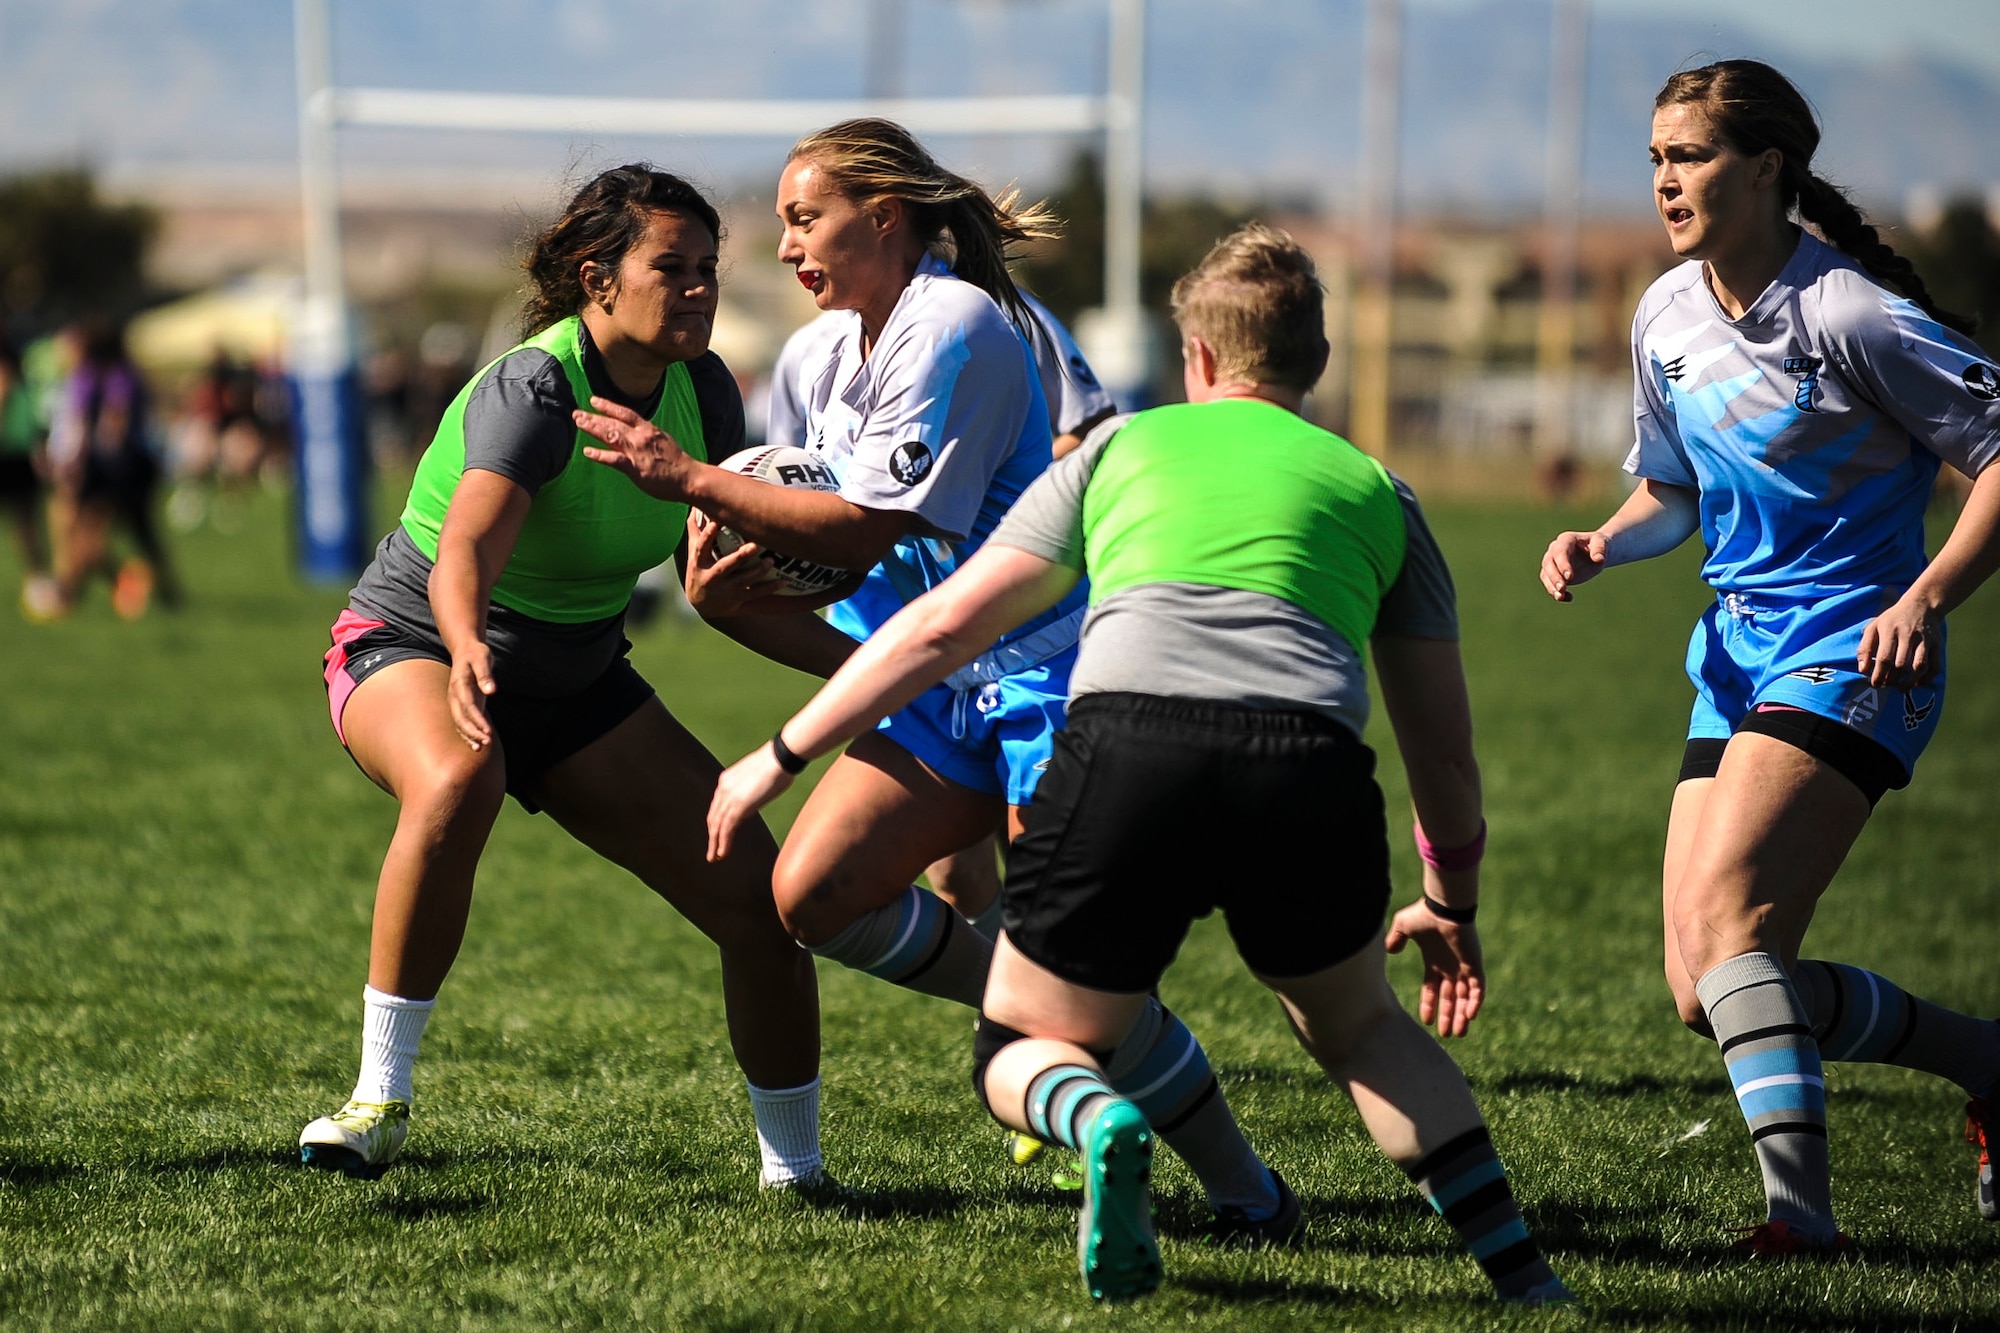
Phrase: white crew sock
(391,1027)
(787,1131)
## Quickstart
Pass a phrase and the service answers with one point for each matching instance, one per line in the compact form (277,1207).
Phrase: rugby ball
(783,465)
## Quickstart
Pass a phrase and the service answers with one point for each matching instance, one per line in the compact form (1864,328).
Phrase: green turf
(186,867)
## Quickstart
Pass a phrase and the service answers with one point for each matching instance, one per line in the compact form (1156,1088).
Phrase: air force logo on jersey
(911,462)
(1807,369)
(1982,381)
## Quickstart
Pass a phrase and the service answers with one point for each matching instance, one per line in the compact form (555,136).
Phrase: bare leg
(638,796)
(1689,799)
(1774,828)
(969,880)
(85,547)
(875,821)
(843,880)
(1420,1112)
(399,730)
(1063,1021)
(1409,1092)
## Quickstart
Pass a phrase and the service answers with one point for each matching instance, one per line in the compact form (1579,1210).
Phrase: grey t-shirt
(518,424)
(1228,645)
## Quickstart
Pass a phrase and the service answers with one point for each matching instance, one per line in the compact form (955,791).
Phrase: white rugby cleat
(359,1139)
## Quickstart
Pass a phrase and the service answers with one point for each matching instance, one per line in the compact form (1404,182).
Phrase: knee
(1337,1039)
(989,1040)
(449,787)
(806,899)
(791,890)
(809,923)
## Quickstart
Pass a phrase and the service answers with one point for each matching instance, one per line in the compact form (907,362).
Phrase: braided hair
(600,225)
(1755,108)
(870,158)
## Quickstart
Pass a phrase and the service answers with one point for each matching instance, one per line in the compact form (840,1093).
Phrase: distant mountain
(1247,97)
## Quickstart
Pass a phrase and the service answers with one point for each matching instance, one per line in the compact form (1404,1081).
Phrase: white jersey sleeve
(1657,451)
(785,422)
(1068,383)
(1936,383)
(946,397)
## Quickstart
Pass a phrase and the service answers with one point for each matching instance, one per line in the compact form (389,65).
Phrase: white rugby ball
(783,465)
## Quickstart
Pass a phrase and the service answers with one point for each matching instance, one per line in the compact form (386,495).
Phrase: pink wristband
(1451,858)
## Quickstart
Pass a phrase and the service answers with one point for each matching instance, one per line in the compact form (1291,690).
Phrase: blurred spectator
(216,431)
(105,473)
(386,381)
(271,403)
(444,364)
(21,485)
(234,431)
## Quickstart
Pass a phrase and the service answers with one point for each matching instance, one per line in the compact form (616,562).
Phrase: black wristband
(788,758)
(1460,916)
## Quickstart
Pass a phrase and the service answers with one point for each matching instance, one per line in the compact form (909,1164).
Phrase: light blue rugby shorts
(995,737)
(1754,649)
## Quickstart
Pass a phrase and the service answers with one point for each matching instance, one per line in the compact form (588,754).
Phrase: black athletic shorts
(1157,810)
(1862,760)
(534,734)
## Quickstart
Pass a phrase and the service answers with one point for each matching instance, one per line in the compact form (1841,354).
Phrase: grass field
(186,868)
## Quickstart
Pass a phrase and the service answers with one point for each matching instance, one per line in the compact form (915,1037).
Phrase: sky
(1964,31)
(1247,98)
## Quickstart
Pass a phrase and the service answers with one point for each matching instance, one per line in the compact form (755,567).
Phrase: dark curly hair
(600,225)
(1755,108)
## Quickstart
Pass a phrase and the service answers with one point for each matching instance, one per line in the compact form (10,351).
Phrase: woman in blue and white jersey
(928,408)
(969,880)
(1795,398)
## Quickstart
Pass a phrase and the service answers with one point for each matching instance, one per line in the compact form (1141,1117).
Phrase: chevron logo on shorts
(1818,675)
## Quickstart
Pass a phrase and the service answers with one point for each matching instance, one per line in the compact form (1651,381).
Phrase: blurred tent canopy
(248,319)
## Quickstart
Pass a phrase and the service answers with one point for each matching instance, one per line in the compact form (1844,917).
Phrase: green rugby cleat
(1115,1249)
(360,1139)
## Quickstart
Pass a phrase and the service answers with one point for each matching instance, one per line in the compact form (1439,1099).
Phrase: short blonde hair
(1256,300)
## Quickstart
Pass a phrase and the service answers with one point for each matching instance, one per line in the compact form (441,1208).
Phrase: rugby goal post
(331,453)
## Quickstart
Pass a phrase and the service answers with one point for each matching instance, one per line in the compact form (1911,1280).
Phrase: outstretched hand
(1454,971)
(635,446)
(1572,558)
(745,787)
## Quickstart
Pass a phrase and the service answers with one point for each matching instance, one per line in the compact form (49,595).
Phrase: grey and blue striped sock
(918,943)
(1774,1066)
(1062,1102)
(1858,1015)
(1163,1070)
(1465,1182)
